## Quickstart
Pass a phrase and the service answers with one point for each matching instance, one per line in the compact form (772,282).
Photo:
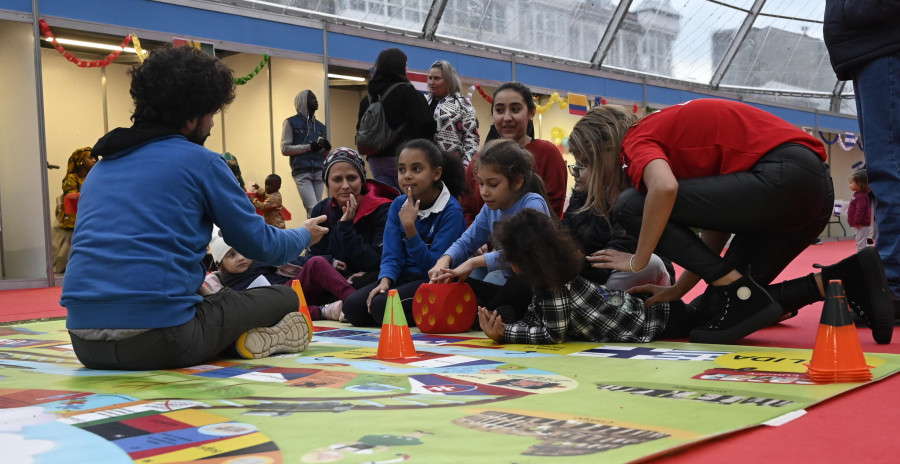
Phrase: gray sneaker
(290,335)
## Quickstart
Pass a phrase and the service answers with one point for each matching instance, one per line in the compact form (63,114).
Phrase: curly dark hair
(453,173)
(175,85)
(539,248)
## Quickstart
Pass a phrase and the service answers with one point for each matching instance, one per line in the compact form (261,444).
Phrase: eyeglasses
(576,169)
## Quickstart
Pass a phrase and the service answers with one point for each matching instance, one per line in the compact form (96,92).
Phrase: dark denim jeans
(877,89)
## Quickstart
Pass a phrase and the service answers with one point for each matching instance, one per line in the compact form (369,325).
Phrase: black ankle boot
(868,295)
(741,308)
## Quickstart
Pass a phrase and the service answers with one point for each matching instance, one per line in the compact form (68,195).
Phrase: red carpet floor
(856,427)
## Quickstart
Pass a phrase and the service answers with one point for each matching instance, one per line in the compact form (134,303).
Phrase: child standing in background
(269,202)
(859,212)
(421,225)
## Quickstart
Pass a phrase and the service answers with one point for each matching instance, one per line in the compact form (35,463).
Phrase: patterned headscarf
(347,155)
(77,159)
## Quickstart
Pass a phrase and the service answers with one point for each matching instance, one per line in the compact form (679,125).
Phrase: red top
(708,137)
(549,166)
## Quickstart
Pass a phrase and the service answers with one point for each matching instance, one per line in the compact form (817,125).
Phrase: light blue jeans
(311,186)
(877,89)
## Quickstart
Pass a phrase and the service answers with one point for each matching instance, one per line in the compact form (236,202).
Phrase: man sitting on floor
(145,217)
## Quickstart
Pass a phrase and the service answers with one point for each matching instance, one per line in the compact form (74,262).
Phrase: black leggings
(775,210)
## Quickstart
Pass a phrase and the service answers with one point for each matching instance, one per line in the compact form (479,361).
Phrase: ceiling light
(345,77)
(81,43)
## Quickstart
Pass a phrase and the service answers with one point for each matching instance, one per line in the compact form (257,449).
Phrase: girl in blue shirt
(507,183)
(421,224)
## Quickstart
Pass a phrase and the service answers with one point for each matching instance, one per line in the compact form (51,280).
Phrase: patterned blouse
(457,126)
(586,311)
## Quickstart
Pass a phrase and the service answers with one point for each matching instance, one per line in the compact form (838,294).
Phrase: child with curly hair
(565,305)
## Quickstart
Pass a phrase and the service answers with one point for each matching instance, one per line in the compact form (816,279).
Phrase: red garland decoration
(634,109)
(45,28)
(483,94)
(602,101)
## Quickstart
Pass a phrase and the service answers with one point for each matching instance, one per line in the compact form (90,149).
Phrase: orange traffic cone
(295,284)
(396,340)
(837,355)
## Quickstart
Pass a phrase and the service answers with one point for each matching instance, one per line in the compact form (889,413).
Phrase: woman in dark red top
(512,109)
(725,168)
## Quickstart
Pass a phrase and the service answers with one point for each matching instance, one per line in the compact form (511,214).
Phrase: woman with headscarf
(80,163)
(405,108)
(457,125)
(357,210)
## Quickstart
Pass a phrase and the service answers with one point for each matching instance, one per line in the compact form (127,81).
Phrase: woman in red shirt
(725,168)
(512,109)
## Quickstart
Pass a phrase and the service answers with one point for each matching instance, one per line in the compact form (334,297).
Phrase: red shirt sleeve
(551,167)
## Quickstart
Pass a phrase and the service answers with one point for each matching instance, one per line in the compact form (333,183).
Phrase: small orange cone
(295,284)
(837,355)
(396,340)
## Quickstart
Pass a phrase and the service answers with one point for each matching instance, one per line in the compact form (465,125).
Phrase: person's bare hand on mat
(491,324)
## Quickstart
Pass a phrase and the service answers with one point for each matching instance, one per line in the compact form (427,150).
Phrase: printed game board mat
(461,399)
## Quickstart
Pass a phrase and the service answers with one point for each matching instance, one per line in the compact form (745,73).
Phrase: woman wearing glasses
(593,232)
(725,168)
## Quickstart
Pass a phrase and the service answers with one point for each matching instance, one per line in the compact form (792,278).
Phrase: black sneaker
(742,307)
(289,335)
(866,287)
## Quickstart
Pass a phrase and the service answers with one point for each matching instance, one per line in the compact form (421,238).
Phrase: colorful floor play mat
(462,399)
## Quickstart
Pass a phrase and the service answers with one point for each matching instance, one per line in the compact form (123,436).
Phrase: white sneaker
(333,311)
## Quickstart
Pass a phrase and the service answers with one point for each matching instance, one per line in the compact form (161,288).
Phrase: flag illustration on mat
(577,104)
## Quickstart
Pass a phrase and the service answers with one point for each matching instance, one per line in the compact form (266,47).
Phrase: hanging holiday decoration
(471,92)
(825,138)
(136,43)
(245,79)
(649,110)
(483,94)
(45,29)
(554,98)
(634,109)
(599,101)
(851,140)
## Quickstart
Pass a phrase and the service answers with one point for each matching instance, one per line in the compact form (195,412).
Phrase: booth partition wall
(645,54)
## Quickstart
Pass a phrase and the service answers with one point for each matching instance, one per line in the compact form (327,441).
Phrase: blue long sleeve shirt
(483,227)
(144,221)
(441,225)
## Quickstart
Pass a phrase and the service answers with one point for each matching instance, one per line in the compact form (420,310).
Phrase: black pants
(220,319)
(358,314)
(775,210)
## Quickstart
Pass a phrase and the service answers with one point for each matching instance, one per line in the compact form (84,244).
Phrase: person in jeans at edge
(136,263)
(863,41)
